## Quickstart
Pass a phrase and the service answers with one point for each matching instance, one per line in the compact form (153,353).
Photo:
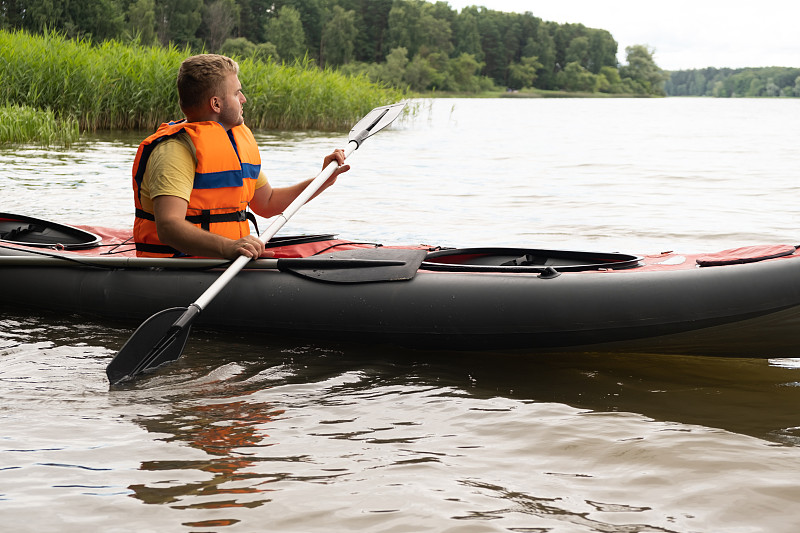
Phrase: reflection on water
(223,431)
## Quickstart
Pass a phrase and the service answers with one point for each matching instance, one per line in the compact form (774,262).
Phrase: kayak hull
(748,310)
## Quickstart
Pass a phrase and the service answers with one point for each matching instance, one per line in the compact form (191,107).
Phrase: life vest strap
(206,218)
(158,249)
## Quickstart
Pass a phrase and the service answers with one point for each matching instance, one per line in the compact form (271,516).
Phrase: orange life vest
(228,165)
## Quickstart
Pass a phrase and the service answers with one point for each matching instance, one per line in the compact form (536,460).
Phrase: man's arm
(175,231)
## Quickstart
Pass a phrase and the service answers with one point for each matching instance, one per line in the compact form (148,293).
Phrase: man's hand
(249,246)
(338,156)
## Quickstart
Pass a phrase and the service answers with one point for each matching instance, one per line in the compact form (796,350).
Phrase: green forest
(409,44)
(735,83)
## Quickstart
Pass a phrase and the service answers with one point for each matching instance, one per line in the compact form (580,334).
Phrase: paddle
(162,337)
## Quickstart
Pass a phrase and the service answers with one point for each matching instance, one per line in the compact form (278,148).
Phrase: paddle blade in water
(160,339)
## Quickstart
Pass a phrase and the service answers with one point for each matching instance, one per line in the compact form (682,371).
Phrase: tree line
(405,43)
(733,83)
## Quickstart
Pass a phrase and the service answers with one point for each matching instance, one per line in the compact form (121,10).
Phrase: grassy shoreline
(23,125)
(112,85)
(51,87)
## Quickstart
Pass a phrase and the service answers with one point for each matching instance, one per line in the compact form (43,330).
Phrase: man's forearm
(192,240)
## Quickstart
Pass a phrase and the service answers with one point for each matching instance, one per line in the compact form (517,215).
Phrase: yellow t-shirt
(170,171)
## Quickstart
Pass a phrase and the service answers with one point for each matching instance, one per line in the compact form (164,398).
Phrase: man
(194,179)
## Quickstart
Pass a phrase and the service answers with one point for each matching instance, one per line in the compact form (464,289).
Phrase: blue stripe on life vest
(227,178)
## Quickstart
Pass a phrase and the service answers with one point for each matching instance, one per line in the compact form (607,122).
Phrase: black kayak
(743,302)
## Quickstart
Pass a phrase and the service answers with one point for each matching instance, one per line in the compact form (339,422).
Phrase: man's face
(231,100)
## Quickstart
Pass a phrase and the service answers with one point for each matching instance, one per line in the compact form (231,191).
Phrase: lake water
(263,434)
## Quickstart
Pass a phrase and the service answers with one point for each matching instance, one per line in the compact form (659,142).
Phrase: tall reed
(23,125)
(120,86)
(301,96)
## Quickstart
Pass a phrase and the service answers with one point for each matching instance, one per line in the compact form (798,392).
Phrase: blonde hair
(201,76)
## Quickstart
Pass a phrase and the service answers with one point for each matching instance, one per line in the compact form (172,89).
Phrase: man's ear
(215,104)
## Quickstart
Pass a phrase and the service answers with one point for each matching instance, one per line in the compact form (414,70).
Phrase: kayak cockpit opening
(534,260)
(38,233)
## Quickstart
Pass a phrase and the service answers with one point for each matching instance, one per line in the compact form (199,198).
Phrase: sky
(685,34)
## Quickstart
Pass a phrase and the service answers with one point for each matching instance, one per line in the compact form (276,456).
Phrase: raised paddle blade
(357,266)
(375,121)
(160,339)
